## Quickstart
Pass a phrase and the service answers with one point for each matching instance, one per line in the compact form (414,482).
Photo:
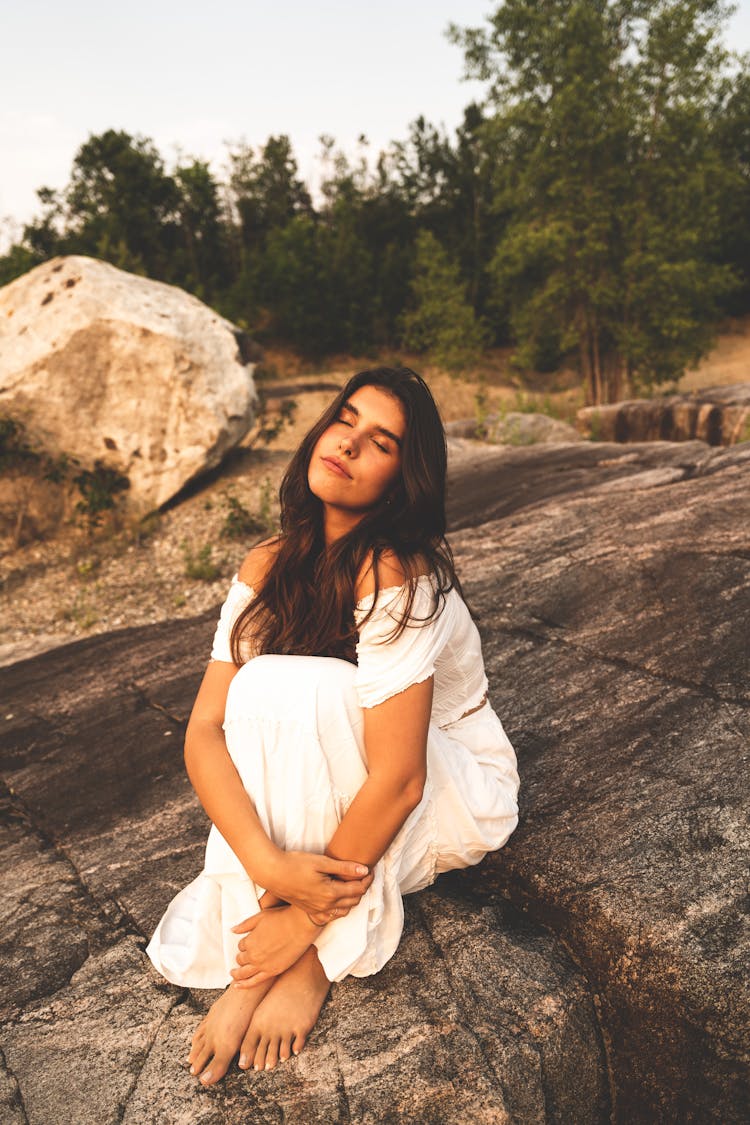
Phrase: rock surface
(592,970)
(515,428)
(104,365)
(716,415)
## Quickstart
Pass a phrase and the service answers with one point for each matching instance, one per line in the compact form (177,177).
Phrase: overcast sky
(193,76)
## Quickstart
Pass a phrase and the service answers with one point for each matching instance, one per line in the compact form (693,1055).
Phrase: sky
(196,77)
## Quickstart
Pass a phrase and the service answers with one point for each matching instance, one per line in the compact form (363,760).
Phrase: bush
(239,523)
(200,565)
(100,490)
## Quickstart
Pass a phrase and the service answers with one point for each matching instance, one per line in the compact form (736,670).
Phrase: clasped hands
(312,891)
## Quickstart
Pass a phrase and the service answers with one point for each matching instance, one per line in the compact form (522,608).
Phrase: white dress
(293,727)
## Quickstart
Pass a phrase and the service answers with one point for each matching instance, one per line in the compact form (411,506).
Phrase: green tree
(733,132)
(609,175)
(122,206)
(441,320)
(264,193)
(203,249)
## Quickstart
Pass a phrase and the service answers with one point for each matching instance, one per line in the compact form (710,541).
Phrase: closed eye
(382,448)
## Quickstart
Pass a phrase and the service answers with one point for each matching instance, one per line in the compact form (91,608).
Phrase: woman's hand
(274,940)
(319,885)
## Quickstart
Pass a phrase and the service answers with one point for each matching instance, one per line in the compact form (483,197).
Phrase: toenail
(205,1077)
(192,1070)
(268,1066)
(243,1060)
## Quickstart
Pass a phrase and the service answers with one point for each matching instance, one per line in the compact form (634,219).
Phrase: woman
(341,742)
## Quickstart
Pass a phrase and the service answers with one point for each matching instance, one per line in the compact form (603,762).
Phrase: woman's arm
(314,882)
(396,744)
(217,783)
(395,735)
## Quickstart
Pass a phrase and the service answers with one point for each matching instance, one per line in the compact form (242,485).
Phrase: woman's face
(357,460)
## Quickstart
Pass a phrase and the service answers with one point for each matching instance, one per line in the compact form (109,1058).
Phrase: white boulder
(107,366)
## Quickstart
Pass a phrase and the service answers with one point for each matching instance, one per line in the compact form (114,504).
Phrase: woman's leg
(294,731)
(291,728)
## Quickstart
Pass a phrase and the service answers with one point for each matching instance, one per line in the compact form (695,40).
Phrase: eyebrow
(381,429)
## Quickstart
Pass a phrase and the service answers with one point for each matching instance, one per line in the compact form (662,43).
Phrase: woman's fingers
(247,926)
(348,894)
(256,978)
(326,916)
(343,868)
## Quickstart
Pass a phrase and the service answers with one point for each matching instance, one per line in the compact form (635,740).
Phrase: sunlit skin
(366,440)
(279,984)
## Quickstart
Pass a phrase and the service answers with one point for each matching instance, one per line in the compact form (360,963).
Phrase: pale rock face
(105,365)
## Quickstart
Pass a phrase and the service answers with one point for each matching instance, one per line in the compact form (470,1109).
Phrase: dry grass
(727,363)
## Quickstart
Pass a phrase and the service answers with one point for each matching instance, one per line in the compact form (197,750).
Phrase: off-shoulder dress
(294,730)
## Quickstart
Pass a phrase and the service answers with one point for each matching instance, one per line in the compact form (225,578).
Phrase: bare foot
(218,1037)
(282,1021)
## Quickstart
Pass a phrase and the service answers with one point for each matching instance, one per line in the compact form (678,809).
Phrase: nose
(347,444)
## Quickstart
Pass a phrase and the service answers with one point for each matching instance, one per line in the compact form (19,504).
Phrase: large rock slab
(139,375)
(615,620)
(481,1015)
(716,415)
(592,970)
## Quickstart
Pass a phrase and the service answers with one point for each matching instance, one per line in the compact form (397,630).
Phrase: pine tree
(441,321)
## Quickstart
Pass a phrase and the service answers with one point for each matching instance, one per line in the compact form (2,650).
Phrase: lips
(336,466)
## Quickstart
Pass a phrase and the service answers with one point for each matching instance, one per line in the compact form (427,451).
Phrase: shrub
(200,565)
(100,490)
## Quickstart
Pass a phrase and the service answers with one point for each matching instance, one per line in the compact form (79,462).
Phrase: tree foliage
(609,172)
(594,209)
(441,320)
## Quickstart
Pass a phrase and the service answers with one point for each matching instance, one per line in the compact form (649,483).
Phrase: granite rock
(109,367)
(592,970)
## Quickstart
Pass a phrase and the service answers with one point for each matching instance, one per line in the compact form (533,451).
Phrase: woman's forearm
(395,735)
(222,794)
(374,819)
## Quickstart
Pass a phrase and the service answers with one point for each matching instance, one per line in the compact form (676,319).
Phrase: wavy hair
(306,603)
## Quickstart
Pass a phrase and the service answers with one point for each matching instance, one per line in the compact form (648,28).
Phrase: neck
(337,523)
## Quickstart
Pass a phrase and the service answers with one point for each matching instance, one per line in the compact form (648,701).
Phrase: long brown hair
(305,605)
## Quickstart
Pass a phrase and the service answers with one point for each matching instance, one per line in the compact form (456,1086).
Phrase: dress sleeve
(238,597)
(385,666)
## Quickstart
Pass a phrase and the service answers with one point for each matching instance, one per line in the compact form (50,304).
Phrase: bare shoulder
(390,572)
(258,561)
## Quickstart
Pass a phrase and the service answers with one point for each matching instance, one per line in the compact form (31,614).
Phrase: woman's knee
(282,686)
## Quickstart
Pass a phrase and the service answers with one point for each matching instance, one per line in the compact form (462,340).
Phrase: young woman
(342,742)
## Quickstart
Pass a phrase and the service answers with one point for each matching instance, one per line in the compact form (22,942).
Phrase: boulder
(113,368)
(514,428)
(592,970)
(716,415)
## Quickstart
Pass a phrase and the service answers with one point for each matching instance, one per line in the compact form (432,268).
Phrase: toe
(196,1042)
(285,1048)
(217,1066)
(249,1048)
(199,1057)
(272,1054)
(259,1062)
(298,1042)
